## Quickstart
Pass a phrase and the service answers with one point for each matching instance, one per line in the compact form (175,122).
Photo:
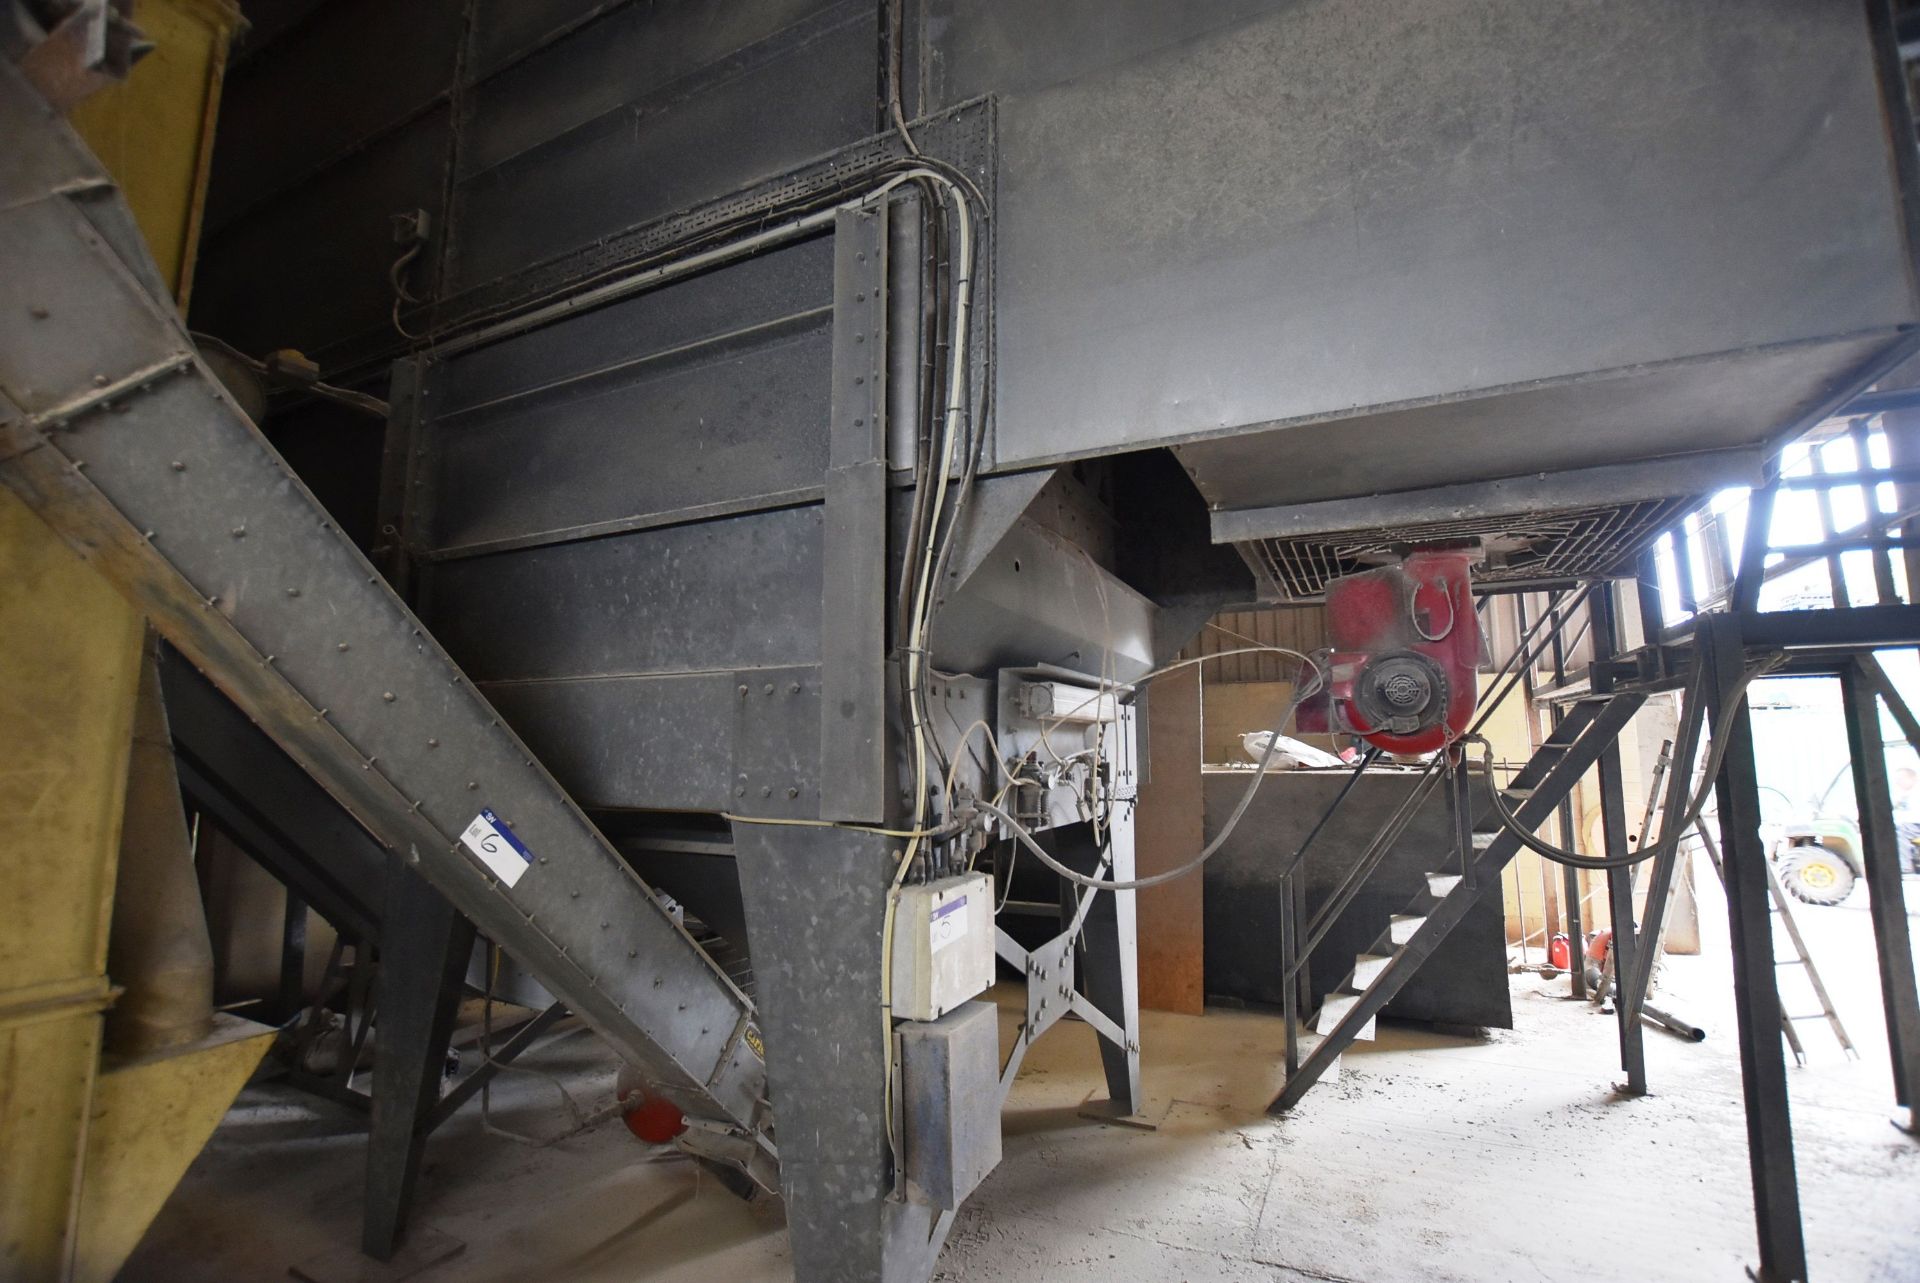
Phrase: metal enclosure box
(942,945)
(950,1076)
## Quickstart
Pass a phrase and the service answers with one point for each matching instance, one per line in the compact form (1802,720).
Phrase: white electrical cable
(1025,836)
(917,630)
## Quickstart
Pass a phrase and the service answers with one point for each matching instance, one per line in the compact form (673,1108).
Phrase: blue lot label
(497,848)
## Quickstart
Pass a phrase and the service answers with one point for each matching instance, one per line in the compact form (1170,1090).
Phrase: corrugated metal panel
(1300,628)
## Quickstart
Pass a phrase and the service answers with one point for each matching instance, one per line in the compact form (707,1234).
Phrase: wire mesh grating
(1572,543)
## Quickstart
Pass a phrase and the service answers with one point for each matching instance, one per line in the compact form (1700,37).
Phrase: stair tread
(1367,968)
(1309,1043)
(1333,1009)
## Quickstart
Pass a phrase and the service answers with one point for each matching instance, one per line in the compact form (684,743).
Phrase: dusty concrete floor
(1504,1157)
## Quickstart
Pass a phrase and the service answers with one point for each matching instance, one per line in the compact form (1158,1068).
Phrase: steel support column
(815,900)
(1763,1072)
(1880,848)
(1624,949)
(1576,907)
(1106,971)
(1664,868)
(423,957)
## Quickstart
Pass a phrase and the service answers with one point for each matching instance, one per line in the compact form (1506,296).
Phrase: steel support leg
(1880,841)
(1624,950)
(815,900)
(292,996)
(1763,1070)
(423,957)
(1107,969)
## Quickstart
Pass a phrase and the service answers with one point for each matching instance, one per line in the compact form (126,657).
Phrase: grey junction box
(950,1096)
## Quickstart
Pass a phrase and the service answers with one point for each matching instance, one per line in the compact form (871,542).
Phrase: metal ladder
(123,441)
(1347,1013)
(1782,910)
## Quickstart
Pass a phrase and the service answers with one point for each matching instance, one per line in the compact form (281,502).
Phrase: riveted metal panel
(736,592)
(634,57)
(735,422)
(854,548)
(781,105)
(743,297)
(159,480)
(777,769)
(662,740)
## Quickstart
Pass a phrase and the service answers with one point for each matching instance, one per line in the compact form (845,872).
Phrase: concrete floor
(1503,1157)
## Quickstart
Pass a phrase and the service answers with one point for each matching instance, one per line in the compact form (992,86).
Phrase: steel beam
(1665,866)
(1880,842)
(123,442)
(853,613)
(423,960)
(815,901)
(1625,948)
(1763,1074)
(1857,628)
(1106,975)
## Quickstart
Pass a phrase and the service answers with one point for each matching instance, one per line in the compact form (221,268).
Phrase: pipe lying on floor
(1671,1023)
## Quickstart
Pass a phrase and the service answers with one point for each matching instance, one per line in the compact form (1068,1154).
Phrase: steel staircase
(1347,1013)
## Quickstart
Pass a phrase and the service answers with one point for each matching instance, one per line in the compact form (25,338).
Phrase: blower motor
(1406,651)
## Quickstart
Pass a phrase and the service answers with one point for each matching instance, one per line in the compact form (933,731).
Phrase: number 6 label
(497,847)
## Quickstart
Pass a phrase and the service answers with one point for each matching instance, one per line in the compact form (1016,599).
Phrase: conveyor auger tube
(121,439)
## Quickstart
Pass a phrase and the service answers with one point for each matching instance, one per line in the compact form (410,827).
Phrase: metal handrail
(1525,653)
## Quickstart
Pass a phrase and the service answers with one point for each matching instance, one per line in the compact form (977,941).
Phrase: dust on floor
(1505,1157)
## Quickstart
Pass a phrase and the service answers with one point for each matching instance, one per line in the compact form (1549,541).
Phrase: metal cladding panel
(711,392)
(742,592)
(1038,599)
(310,269)
(628,56)
(766,109)
(1336,207)
(659,440)
(1680,408)
(977,47)
(345,97)
(742,296)
(662,741)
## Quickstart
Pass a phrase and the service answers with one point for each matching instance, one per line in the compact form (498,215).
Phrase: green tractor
(1819,860)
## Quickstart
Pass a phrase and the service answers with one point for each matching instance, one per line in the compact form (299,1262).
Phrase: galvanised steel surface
(1323,253)
(1485,237)
(124,443)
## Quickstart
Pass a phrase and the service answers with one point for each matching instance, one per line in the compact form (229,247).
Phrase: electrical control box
(942,945)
